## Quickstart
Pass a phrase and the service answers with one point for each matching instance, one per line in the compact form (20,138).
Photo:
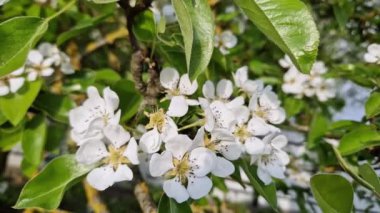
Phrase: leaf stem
(66,7)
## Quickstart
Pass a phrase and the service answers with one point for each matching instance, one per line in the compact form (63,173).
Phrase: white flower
(163,128)
(185,169)
(270,159)
(169,13)
(286,62)
(95,113)
(373,54)
(225,41)
(217,115)
(58,57)
(177,90)
(294,82)
(12,82)
(326,90)
(246,85)
(221,142)
(115,157)
(266,106)
(38,66)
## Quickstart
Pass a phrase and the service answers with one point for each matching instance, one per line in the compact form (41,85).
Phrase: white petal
(199,187)
(192,102)
(241,76)
(32,76)
(101,178)
(198,139)
(150,142)
(241,114)
(235,103)
(178,107)
(92,93)
(111,99)
(19,71)
(224,89)
(210,120)
(258,126)
(223,116)
(4,90)
(253,87)
(91,152)
(123,173)
(178,145)
(223,167)
(35,57)
(46,72)
(160,163)
(16,83)
(174,189)
(279,141)
(131,152)
(275,170)
(170,129)
(254,146)
(230,150)
(229,39)
(264,176)
(374,49)
(276,116)
(202,161)
(169,78)
(186,87)
(269,99)
(117,135)
(208,90)
(368,57)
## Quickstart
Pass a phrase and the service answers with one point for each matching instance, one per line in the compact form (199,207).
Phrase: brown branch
(143,197)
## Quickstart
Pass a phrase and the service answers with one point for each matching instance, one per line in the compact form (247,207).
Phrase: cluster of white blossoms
(101,140)
(373,54)
(224,41)
(42,62)
(310,85)
(231,127)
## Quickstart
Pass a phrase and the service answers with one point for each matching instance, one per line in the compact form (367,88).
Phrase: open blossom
(185,169)
(60,58)
(270,159)
(38,66)
(373,54)
(178,89)
(88,120)
(294,82)
(217,114)
(225,41)
(115,151)
(222,142)
(246,85)
(12,82)
(162,129)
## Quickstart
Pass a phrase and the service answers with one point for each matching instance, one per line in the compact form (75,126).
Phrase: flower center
(157,119)
(181,169)
(174,92)
(262,113)
(242,133)
(116,157)
(209,144)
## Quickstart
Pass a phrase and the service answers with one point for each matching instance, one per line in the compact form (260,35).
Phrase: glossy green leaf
(318,127)
(33,143)
(18,35)
(169,205)
(9,137)
(144,26)
(287,23)
(369,175)
(197,26)
(333,193)
(130,98)
(359,139)
(46,189)
(267,191)
(15,106)
(293,106)
(372,106)
(56,106)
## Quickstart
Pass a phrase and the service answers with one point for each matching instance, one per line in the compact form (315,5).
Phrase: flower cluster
(42,62)
(101,140)
(373,54)
(225,41)
(232,126)
(310,85)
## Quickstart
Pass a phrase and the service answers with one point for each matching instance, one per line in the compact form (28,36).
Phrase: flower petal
(16,83)
(208,90)
(91,152)
(230,150)
(279,141)
(223,167)
(35,57)
(111,99)
(101,178)
(264,176)
(178,145)
(150,142)
(258,127)
(276,116)
(241,76)
(117,135)
(169,78)
(178,106)
(254,146)
(185,85)
(202,161)
(224,89)
(160,163)
(199,187)
(46,72)
(170,129)
(131,152)
(174,189)
(123,173)
(4,90)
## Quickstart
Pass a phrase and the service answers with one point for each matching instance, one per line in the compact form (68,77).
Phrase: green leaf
(333,193)
(369,175)
(372,106)
(10,137)
(104,1)
(130,98)
(197,26)
(47,188)
(358,139)
(293,106)
(15,106)
(267,191)
(318,127)
(169,205)
(56,106)
(33,143)
(18,35)
(144,26)
(287,23)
